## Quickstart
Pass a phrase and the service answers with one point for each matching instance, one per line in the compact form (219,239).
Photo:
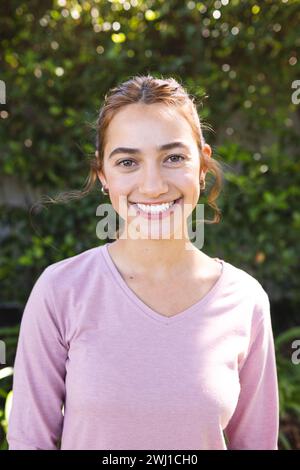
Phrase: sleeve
(255,421)
(36,418)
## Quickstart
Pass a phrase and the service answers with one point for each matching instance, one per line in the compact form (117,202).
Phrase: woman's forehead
(149,121)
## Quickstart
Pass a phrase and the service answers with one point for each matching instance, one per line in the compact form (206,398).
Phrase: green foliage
(288,379)
(10,337)
(288,372)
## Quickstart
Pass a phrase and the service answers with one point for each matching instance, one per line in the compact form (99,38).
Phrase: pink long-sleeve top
(97,368)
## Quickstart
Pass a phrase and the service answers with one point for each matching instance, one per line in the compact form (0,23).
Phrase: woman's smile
(155,211)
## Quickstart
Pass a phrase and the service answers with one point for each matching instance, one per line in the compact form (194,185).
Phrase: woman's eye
(176,156)
(122,161)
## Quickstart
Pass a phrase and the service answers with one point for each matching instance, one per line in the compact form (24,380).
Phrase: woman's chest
(107,370)
(171,297)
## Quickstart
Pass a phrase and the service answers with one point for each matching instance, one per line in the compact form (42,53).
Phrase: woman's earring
(103,191)
(202,185)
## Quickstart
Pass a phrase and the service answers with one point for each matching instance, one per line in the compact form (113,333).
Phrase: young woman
(147,342)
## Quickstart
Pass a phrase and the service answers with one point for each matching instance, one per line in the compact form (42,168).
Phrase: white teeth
(155,208)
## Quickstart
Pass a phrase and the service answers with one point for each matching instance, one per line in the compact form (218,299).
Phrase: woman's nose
(152,183)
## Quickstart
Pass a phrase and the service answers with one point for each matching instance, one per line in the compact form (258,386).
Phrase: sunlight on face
(139,168)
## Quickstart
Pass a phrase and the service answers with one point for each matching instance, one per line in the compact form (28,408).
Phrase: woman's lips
(155,203)
(158,215)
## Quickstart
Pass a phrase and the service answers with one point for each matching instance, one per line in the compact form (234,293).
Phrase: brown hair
(147,90)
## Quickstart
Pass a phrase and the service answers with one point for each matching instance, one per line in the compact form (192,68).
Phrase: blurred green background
(59,58)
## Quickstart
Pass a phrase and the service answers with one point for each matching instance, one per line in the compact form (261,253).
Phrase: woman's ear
(101,178)
(100,173)
(206,154)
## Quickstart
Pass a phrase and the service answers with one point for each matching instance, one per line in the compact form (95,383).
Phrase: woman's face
(137,168)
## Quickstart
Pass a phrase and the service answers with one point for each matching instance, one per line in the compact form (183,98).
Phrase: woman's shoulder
(74,259)
(244,280)
(76,265)
(242,290)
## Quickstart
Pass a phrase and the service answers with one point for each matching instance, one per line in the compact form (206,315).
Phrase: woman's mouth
(155,211)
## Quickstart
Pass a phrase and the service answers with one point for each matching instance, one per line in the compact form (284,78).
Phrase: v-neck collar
(185,314)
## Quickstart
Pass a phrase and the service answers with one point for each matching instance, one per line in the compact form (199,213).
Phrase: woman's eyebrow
(134,151)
